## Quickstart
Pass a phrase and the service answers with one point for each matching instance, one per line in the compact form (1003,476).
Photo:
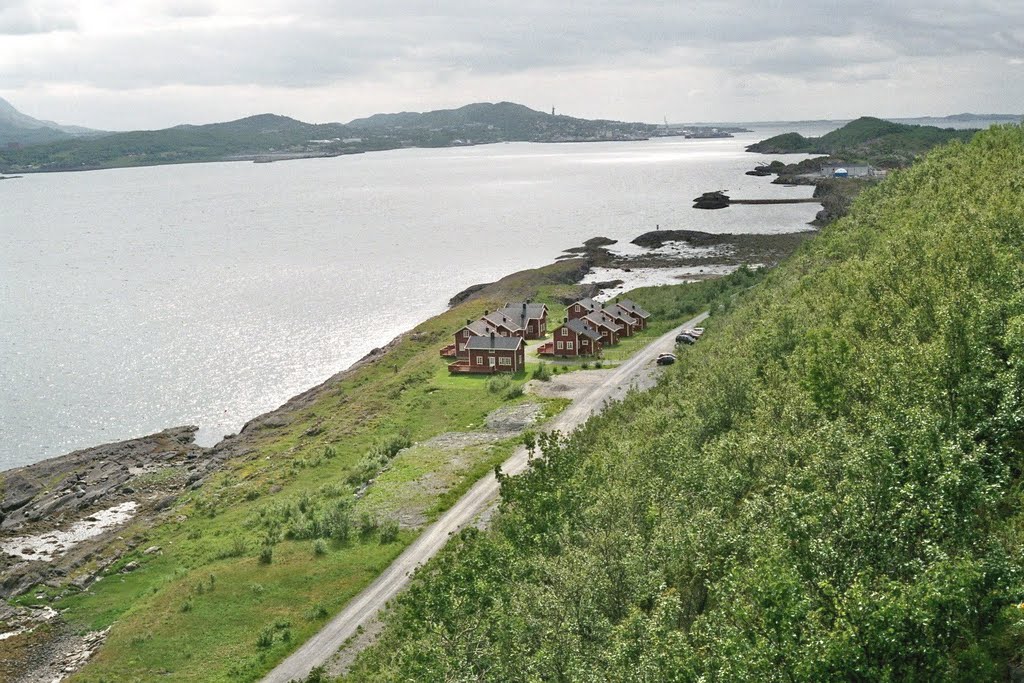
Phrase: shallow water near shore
(137,299)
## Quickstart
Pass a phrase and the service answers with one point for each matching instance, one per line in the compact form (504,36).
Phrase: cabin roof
(497,318)
(479,328)
(619,314)
(495,343)
(601,318)
(524,311)
(580,327)
(633,308)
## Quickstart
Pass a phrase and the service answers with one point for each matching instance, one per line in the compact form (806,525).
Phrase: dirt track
(365,606)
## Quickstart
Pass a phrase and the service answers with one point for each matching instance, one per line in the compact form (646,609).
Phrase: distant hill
(264,134)
(268,137)
(503,114)
(484,121)
(979,120)
(867,139)
(22,129)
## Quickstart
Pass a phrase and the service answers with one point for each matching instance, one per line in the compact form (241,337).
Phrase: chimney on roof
(524,305)
(469,321)
(565,320)
(486,312)
(492,340)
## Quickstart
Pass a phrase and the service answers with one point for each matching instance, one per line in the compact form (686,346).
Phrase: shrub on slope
(826,488)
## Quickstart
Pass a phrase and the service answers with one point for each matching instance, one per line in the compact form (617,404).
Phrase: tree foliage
(827,489)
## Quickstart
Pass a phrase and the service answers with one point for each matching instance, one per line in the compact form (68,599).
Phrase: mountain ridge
(21,129)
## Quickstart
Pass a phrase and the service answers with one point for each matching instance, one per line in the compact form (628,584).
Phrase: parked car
(684,338)
(666,359)
(694,332)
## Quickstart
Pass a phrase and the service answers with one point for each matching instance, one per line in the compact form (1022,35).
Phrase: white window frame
(559,345)
(505,360)
(479,360)
(490,361)
(568,346)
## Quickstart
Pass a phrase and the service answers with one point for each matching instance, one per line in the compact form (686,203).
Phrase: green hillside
(253,135)
(827,487)
(489,122)
(271,137)
(866,139)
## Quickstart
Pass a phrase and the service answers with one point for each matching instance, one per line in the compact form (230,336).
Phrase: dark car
(683,338)
(666,359)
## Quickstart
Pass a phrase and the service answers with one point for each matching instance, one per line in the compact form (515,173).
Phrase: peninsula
(269,137)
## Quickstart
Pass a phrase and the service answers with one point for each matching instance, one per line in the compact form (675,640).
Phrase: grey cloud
(189,9)
(326,42)
(25,18)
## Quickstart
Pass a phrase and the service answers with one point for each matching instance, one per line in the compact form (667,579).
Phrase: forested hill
(827,487)
(268,137)
(505,121)
(249,137)
(867,139)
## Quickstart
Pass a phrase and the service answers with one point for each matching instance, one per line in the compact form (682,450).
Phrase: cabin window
(490,361)
(559,345)
(568,346)
(584,342)
(504,361)
(462,347)
(479,360)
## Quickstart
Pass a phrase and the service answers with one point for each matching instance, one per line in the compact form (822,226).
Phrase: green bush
(317,611)
(498,383)
(266,555)
(367,525)
(542,372)
(319,547)
(238,548)
(388,531)
(377,458)
(513,392)
(265,638)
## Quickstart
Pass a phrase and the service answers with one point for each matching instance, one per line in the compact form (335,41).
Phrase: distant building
(635,311)
(847,171)
(531,317)
(573,338)
(492,354)
(478,328)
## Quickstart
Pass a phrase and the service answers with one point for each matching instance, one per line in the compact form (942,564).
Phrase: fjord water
(132,300)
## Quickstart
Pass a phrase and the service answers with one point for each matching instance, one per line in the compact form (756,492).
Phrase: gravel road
(365,606)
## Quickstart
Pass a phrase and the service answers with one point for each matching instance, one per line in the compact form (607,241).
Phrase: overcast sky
(128,64)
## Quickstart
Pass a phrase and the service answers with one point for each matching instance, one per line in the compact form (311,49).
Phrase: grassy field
(256,560)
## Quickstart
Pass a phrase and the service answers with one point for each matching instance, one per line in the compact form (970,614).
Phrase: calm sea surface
(137,299)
